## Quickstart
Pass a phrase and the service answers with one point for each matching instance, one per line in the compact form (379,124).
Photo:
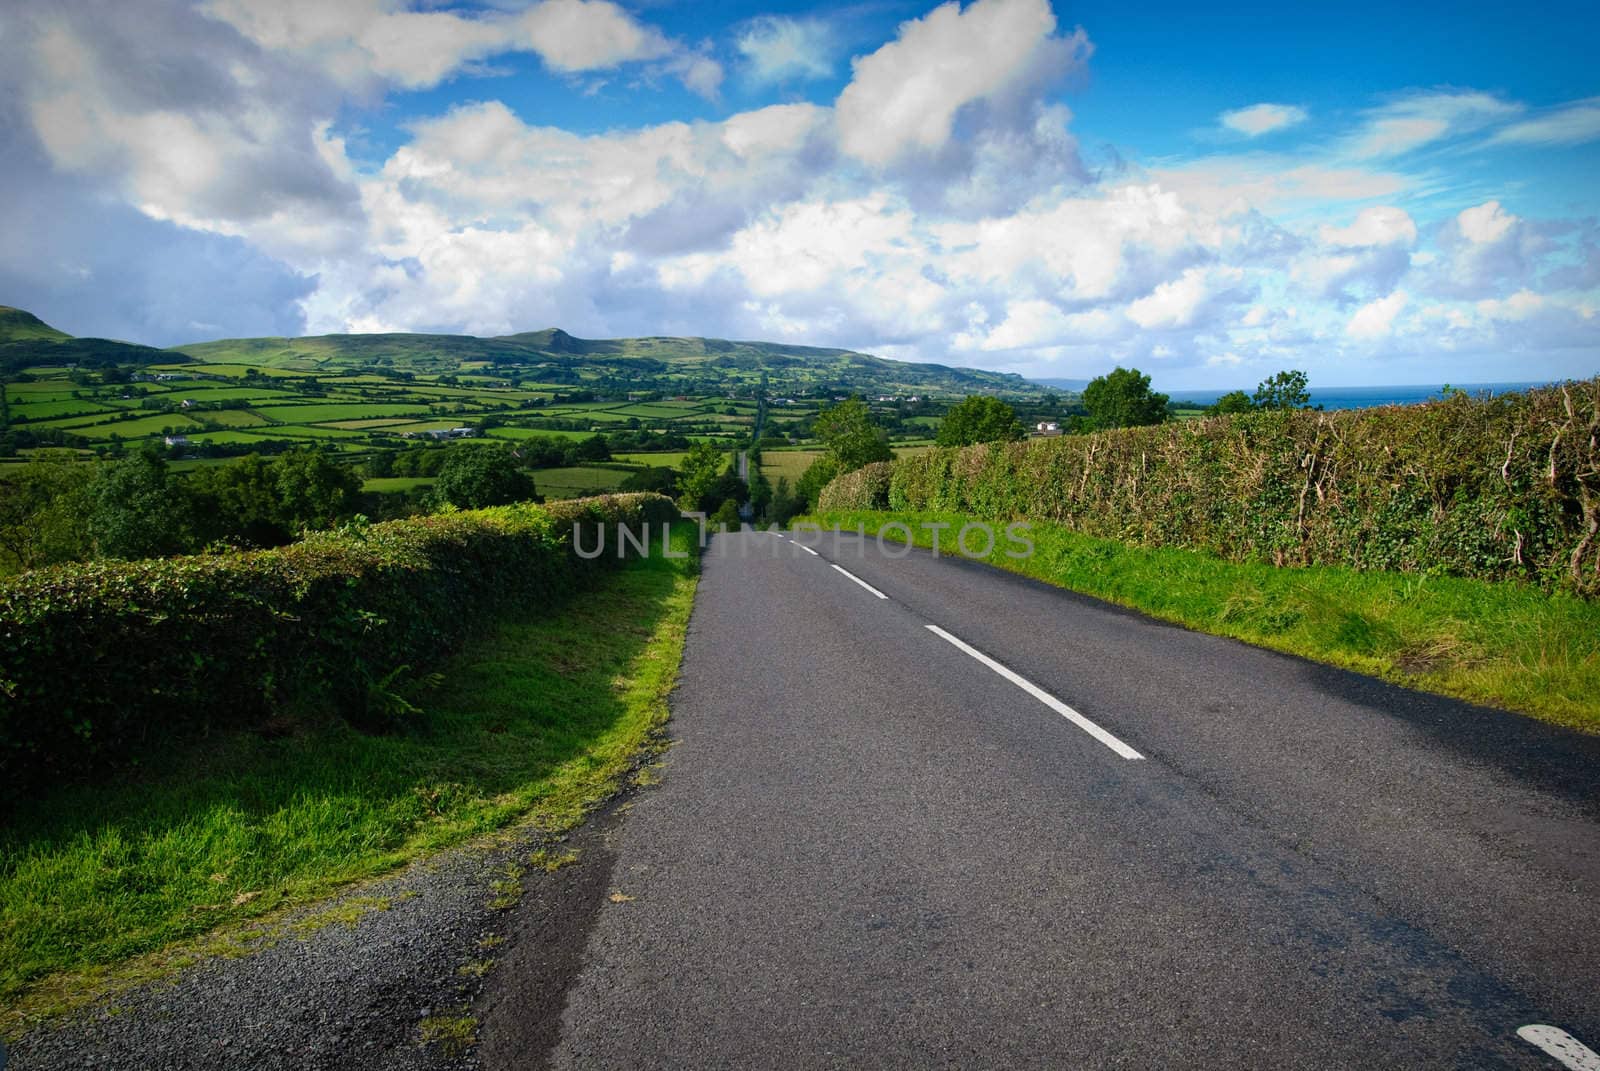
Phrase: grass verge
(1502,644)
(536,721)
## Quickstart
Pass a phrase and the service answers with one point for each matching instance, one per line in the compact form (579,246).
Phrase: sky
(1371,193)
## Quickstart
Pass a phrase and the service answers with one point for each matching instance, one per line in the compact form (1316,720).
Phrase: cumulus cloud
(1375,320)
(906,96)
(780,49)
(1261,119)
(937,210)
(1377,226)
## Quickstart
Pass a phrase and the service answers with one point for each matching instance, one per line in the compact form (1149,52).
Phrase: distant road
(923,813)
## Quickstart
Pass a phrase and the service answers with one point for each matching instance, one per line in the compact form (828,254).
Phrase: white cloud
(357,42)
(974,232)
(1375,320)
(1175,302)
(1381,225)
(587,35)
(778,49)
(1486,223)
(1571,124)
(907,94)
(1261,119)
(1417,120)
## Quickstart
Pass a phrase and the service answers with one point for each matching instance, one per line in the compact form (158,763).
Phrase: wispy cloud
(1261,119)
(1571,124)
(1419,119)
(778,49)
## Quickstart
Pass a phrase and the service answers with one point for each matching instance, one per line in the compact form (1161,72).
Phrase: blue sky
(1374,193)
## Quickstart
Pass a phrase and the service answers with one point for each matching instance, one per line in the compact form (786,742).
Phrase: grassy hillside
(19,326)
(27,341)
(672,365)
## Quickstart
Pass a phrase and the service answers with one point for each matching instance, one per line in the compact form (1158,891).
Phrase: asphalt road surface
(924,813)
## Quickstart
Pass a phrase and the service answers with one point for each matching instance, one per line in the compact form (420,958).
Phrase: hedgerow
(101,659)
(865,488)
(1505,487)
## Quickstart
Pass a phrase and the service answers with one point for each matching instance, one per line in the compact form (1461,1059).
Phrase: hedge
(865,488)
(1503,487)
(101,659)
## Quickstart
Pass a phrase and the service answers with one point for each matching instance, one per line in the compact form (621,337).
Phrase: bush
(1494,488)
(97,660)
(865,488)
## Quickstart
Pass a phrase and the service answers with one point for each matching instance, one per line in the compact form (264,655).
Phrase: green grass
(397,483)
(536,721)
(313,412)
(577,481)
(790,464)
(232,418)
(137,428)
(1502,644)
(666,459)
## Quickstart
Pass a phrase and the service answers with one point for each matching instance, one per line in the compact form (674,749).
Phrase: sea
(1366,397)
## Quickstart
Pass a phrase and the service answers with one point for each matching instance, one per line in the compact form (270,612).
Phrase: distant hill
(1074,385)
(674,365)
(19,326)
(26,340)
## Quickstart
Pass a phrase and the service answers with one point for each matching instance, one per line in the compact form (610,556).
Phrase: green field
(670,459)
(397,483)
(788,464)
(316,413)
(577,481)
(232,418)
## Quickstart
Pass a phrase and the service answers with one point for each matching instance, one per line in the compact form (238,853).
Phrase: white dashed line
(808,550)
(1042,696)
(1561,1046)
(863,583)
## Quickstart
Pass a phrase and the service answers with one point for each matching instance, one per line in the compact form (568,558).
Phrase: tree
(850,436)
(817,476)
(658,478)
(980,419)
(473,477)
(1123,399)
(727,514)
(134,511)
(42,513)
(241,501)
(314,491)
(1235,401)
(1284,390)
(594,448)
(784,504)
(697,473)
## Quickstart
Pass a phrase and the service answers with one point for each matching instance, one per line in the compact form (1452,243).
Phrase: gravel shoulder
(383,976)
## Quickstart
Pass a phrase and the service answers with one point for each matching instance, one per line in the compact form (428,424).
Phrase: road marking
(1561,1045)
(863,583)
(808,550)
(1042,696)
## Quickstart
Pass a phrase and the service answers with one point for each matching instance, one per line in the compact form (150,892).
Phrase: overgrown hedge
(1495,488)
(98,659)
(865,488)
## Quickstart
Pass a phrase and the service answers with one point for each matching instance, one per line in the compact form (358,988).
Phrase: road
(924,813)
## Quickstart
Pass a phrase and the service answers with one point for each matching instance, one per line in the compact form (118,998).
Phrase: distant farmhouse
(441,433)
(1047,427)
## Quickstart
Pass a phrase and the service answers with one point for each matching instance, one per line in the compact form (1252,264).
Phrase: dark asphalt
(869,849)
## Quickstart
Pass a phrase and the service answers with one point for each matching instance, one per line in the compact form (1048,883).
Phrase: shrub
(1496,488)
(865,488)
(97,660)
